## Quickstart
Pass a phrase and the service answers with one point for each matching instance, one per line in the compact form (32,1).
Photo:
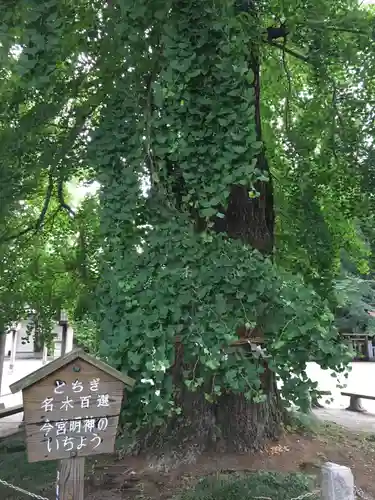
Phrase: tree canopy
(232,143)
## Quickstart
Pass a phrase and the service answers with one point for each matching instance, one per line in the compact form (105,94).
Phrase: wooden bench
(6,412)
(355,401)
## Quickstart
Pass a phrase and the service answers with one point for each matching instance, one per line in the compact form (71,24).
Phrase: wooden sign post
(71,410)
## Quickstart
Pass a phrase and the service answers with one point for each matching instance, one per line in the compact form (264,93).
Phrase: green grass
(39,478)
(303,423)
(272,485)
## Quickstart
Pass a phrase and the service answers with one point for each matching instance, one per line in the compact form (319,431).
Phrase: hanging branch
(148,117)
(317,23)
(61,198)
(36,226)
(289,51)
(47,200)
(289,91)
(334,124)
(82,265)
(83,114)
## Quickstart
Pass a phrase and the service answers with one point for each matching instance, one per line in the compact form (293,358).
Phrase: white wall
(25,343)
(26,348)
(69,339)
(8,344)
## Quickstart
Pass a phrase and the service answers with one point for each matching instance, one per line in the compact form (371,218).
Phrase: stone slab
(337,482)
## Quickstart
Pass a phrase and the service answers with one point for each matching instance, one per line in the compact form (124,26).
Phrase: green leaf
(208,212)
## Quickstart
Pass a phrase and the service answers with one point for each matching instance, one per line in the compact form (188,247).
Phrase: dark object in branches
(273,33)
(243,5)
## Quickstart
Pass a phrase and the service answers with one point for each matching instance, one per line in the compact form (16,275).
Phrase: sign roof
(62,361)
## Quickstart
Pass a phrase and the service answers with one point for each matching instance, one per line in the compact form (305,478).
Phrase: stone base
(355,405)
(337,482)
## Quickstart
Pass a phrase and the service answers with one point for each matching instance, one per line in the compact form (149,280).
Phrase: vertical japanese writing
(70,431)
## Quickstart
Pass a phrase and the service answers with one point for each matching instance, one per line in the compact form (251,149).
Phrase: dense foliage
(355,304)
(205,130)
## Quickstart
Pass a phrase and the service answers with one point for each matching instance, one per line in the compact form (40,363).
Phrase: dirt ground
(121,477)
(141,478)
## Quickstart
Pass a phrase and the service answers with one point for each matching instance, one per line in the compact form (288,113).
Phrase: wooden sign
(71,410)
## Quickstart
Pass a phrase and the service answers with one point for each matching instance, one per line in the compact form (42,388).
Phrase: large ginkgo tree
(231,142)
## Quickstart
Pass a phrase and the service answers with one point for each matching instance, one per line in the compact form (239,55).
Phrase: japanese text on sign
(74,433)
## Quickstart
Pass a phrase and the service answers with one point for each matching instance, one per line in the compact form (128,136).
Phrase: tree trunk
(231,423)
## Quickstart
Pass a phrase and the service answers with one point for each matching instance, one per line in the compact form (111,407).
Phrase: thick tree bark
(231,423)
